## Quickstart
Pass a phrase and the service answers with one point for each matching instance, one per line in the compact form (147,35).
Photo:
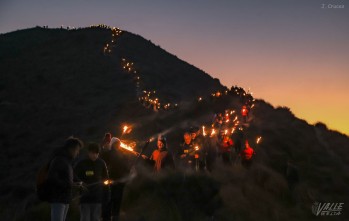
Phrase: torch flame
(107,182)
(125,129)
(213,132)
(126,147)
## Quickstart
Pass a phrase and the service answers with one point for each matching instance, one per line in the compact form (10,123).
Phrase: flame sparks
(107,182)
(203,131)
(259,140)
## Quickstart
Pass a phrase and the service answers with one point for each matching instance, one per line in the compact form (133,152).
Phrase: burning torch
(213,132)
(196,156)
(258,140)
(203,131)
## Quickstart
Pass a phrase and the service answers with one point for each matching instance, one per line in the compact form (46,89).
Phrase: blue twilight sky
(290,52)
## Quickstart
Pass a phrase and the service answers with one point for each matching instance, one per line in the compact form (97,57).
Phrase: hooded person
(118,167)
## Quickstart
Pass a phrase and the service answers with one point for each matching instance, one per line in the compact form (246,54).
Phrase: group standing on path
(101,176)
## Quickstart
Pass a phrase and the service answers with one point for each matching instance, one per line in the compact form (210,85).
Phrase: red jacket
(244,112)
(247,153)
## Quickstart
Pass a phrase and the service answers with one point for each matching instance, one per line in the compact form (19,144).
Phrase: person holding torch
(92,171)
(161,158)
(225,144)
(118,166)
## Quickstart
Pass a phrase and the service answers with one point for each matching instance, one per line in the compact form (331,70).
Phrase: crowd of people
(101,175)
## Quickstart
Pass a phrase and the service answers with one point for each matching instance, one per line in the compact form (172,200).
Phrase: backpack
(42,187)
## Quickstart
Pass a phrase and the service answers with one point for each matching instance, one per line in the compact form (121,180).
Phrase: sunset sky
(291,53)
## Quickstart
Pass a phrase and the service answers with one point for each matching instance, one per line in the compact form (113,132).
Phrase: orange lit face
(187,138)
(160,145)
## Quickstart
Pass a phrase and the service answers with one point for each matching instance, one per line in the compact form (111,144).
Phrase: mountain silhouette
(55,83)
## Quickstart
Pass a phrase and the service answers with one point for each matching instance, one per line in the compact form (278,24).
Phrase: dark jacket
(117,163)
(188,150)
(60,178)
(93,174)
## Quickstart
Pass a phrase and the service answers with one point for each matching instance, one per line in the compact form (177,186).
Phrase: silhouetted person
(211,152)
(93,172)
(60,178)
(118,168)
(106,141)
(238,142)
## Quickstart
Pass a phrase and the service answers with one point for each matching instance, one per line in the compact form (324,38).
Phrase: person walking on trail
(247,155)
(186,152)
(225,144)
(200,147)
(92,171)
(238,143)
(161,158)
(60,178)
(118,167)
(244,113)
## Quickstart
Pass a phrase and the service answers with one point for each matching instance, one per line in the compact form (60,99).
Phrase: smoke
(228,193)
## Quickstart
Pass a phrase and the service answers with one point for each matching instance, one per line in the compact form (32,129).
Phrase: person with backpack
(60,178)
(93,172)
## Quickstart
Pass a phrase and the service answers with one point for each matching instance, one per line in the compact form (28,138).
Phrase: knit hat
(113,141)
